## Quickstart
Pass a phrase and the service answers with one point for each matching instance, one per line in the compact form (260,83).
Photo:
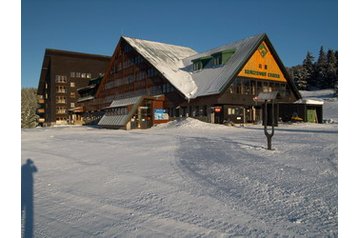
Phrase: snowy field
(185,179)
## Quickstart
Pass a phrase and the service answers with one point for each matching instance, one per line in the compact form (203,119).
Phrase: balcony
(40,101)
(40,110)
(40,120)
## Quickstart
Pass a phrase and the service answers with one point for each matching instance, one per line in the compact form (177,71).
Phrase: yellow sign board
(262,65)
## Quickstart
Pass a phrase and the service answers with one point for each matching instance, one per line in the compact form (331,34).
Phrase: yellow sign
(262,65)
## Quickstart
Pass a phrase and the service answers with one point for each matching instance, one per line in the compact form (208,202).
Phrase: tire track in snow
(289,198)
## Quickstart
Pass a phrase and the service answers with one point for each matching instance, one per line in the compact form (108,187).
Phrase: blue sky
(95,26)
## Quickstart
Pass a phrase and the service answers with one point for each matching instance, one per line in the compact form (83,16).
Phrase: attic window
(200,63)
(197,65)
(220,58)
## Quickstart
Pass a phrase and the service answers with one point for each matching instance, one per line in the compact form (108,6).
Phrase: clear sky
(95,26)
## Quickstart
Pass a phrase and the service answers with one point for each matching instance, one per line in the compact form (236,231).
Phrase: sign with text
(262,65)
(160,114)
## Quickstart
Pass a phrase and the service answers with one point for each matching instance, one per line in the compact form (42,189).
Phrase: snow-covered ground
(185,179)
(330,106)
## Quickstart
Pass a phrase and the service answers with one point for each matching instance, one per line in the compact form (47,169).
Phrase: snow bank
(189,123)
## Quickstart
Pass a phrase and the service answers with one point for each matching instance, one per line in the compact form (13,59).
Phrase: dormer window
(220,58)
(197,65)
(201,62)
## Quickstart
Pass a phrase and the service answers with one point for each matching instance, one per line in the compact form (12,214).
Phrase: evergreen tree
(332,69)
(317,75)
(28,107)
(309,68)
(300,75)
(321,67)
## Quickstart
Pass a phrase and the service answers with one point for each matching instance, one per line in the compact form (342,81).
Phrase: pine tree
(300,75)
(309,68)
(28,108)
(332,69)
(321,67)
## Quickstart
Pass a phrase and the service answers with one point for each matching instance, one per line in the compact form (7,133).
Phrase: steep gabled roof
(175,63)
(212,80)
(168,60)
(215,79)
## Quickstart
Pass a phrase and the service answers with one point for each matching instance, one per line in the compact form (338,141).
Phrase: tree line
(319,74)
(28,107)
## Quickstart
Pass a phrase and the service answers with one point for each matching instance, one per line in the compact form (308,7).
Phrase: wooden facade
(130,74)
(133,71)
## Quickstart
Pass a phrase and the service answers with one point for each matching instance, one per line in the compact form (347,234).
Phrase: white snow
(330,103)
(168,60)
(185,179)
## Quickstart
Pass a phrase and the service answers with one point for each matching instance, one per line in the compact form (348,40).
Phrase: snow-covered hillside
(330,106)
(184,179)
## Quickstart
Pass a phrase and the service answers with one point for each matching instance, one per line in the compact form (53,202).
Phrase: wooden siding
(128,75)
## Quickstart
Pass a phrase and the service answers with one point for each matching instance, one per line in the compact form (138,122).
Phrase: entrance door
(312,115)
(219,114)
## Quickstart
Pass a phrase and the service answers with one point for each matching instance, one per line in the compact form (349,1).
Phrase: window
(72,74)
(60,89)
(259,87)
(83,75)
(60,79)
(197,65)
(78,74)
(266,87)
(72,84)
(72,95)
(72,104)
(232,88)
(265,66)
(60,110)
(218,59)
(88,75)
(230,111)
(246,86)
(253,87)
(60,99)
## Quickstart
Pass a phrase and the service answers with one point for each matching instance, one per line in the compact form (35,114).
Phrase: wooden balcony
(40,110)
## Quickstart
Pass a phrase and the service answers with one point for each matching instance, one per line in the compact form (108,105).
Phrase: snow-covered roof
(113,120)
(212,79)
(125,102)
(176,64)
(168,60)
(310,101)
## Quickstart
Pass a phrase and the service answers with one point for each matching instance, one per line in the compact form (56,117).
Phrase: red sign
(217,109)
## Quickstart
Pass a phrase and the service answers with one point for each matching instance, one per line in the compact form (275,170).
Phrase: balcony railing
(41,101)
(40,110)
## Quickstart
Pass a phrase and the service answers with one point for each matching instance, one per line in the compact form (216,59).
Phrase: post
(268,135)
